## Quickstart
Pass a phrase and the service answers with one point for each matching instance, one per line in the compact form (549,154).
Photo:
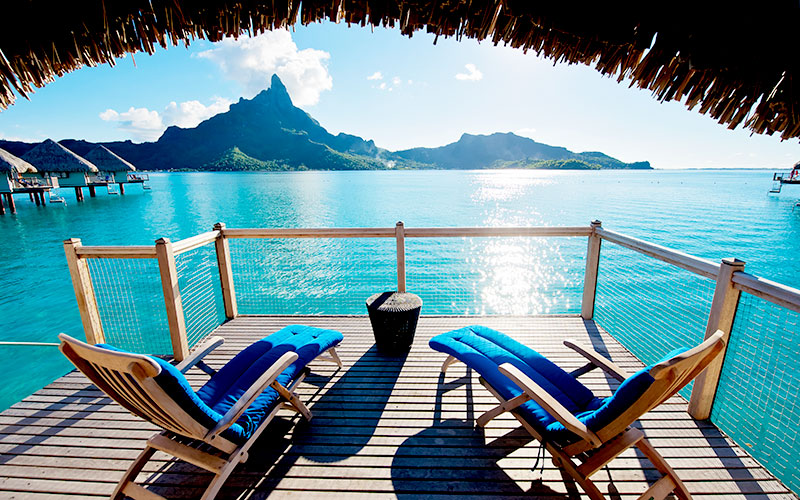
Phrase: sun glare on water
(518,275)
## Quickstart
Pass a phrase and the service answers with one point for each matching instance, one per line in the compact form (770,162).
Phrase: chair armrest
(199,353)
(255,390)
(599,360)
(549,403)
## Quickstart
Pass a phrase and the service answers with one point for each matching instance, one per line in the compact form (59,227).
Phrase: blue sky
(397,91)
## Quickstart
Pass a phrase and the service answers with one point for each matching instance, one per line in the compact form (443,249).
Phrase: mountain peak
(278,90)
(275,95)
(276,83)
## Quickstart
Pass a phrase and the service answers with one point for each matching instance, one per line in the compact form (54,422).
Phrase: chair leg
(663,467)
(292,400)
(132,472)
(567,465)
(447,362)
(335,356)
(503,407)
(332,356)
(219,480)
(300,407)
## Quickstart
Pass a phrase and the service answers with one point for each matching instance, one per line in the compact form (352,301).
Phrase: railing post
(225,273)
(400,235)
(84,292)
(720,317)
(172,299)
(590,277)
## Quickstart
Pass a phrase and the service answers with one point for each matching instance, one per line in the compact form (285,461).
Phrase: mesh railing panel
(311,275)
(758,399)
(131,304)
(452,275)
(201,293)
(649,306)
(521,275)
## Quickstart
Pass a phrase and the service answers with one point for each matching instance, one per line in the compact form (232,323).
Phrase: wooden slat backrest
(127,378)
(670,377)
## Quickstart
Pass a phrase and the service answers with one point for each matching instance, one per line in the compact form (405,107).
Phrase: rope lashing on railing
(30,344)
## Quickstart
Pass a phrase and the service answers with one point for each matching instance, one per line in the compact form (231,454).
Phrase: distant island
(269,133)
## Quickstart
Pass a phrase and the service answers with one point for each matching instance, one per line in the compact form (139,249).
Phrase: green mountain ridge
(269,133)
(509,150)
(237,161)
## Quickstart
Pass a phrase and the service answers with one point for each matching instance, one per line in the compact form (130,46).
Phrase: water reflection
(519,275)
(522,276)
(508,185)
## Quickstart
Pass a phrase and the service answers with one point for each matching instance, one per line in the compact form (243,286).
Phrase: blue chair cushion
(484,349)
(220,393)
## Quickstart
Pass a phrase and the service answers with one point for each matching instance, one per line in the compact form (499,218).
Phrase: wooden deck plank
(383,428)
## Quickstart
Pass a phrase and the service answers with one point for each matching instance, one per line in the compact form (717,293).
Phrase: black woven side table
(394,318)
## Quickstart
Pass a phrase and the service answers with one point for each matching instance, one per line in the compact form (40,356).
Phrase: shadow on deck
(383,426)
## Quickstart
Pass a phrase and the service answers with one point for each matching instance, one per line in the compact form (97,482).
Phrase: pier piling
(36,198)
(2,207)
(121,188)
(92,192)
(78,193)
(30,195)
(11,205)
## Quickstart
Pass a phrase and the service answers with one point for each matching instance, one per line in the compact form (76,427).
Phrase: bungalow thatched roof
(9,163)
(735,62)
(107,161)
(51,156)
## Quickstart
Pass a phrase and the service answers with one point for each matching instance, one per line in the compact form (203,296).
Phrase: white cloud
(375,76)
(191,113)
(253,61)
(388,85)
(148,125)
(472,74)
(526,132)
(33,138)
(140,123)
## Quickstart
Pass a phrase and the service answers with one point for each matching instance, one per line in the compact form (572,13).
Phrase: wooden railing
(731,280)
(31,182)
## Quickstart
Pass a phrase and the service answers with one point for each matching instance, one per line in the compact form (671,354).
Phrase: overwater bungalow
(52,159)
(121,170)
(400,426)
(781,178)
(21,177)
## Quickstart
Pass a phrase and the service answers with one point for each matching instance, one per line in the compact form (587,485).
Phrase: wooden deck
(382,427)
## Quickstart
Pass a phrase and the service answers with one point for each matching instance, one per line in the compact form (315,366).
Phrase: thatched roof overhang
(11,163)
(735,62)
(105,160)
(51,156)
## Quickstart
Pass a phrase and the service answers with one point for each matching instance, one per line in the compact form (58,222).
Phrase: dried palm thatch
(735,62)
(107,161)
(10,163)
(51,156)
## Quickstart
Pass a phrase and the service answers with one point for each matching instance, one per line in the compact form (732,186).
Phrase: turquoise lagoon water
(711,214)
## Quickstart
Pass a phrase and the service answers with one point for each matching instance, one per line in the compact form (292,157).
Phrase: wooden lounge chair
(581,431)
(214,427)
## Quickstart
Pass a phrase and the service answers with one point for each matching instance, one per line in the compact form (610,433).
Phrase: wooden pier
(383,427)
(35,193)
(781,178)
